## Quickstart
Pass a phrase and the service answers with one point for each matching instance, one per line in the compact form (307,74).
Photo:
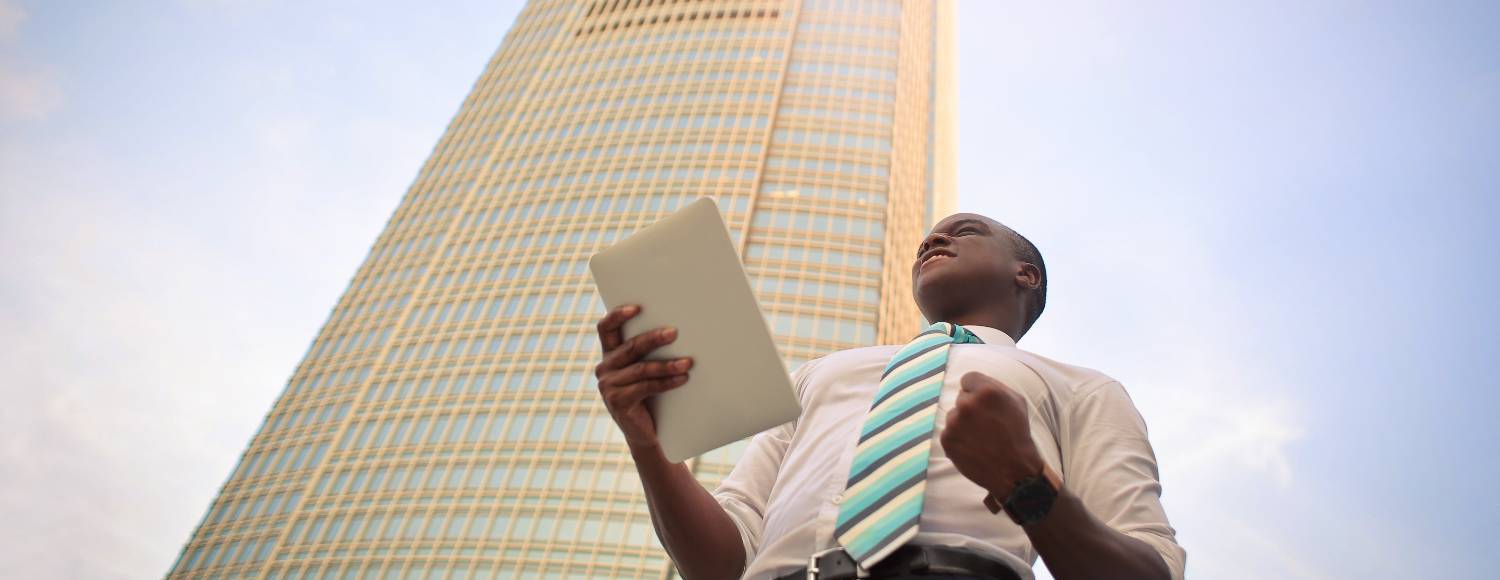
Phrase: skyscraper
(444,422)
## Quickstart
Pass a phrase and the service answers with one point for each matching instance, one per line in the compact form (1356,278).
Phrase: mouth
(930,255)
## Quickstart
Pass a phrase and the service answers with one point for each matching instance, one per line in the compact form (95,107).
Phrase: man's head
(973,270)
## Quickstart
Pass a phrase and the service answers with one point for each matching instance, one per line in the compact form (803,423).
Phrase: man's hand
(988,435)
(701,538)
(988,438)
(626,380)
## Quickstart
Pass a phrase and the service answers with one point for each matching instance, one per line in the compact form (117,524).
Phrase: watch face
(1030,501)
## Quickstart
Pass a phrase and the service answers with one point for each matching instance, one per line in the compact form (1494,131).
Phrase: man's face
(965,258)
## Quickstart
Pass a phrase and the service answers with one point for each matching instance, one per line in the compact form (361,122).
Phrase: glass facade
(444,423)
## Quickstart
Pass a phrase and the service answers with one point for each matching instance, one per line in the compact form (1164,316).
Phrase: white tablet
(685,272)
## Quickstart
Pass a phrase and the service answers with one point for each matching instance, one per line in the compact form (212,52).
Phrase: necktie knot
(958,333)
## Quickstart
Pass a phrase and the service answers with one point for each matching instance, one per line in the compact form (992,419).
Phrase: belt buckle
(813,573)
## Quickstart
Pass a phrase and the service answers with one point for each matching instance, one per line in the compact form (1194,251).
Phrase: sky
(1272,221)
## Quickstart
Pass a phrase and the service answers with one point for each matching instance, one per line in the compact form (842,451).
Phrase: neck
(992,315)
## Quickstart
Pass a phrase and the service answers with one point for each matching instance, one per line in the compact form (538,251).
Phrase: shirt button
(838,499)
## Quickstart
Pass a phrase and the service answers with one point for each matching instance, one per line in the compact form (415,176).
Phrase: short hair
(1026,251)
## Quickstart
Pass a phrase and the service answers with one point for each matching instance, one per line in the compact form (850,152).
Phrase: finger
(982,384)
(973,381)
(984,391)
(610,335)
(632,395)
(653,369)
(945,439)
(638,347)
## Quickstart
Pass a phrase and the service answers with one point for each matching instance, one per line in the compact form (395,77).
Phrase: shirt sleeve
(1111,467)
(746,490)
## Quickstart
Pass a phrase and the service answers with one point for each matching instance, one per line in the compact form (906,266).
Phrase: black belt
(909,559)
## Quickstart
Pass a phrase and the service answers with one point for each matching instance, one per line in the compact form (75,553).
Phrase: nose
(934,239)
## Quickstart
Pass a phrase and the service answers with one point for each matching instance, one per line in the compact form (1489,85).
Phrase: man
(905,457)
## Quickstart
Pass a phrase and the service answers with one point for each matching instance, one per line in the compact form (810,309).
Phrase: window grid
(471,319)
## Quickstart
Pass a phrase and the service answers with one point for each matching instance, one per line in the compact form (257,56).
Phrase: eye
(965,231)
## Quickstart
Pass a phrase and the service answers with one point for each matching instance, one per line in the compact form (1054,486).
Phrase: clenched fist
(988,435)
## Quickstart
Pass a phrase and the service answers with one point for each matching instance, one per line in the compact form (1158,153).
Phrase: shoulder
(843,361)
(1089,401)
(838,360)
(1066,380)
(881,352)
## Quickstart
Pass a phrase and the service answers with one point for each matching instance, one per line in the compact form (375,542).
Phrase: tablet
(684,271)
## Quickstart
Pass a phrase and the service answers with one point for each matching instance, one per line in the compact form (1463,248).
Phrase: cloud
(161,280)
(27,95)
(102,297)
(12,16)
(149,318)
(1208,432)
(1224,447)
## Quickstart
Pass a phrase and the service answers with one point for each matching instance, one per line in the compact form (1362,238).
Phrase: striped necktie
(879,508)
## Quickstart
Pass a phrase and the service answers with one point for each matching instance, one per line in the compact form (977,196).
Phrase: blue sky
(1271,220)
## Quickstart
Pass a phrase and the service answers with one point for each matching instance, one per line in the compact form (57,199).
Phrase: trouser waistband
(908,560)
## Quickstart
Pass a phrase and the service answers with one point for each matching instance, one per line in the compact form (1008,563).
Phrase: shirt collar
(990,335)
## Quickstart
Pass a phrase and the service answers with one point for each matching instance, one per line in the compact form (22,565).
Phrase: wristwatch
(1030,499)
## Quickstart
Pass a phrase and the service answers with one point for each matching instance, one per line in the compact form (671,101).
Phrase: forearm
(698,534)
(1077,546)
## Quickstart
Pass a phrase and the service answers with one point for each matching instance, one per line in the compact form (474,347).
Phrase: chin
(931,296)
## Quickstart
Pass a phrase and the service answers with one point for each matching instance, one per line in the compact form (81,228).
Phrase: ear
(1028,276)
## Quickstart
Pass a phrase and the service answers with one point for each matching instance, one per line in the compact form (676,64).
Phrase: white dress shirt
(781,493)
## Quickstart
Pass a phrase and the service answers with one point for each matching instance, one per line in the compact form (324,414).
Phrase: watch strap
(996,506)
